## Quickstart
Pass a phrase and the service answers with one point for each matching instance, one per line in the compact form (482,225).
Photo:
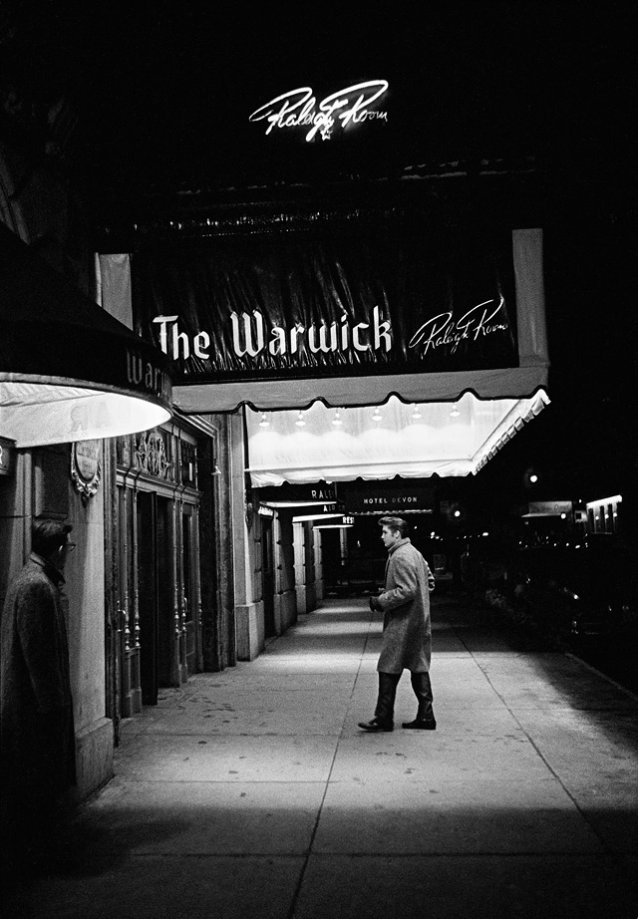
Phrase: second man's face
(64,553)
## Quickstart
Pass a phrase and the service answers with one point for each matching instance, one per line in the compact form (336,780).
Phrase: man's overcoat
(37,744)
(405,601)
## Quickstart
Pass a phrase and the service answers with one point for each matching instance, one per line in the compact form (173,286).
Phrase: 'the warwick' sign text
(251,338)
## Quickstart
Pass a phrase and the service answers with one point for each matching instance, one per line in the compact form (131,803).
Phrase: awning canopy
(337,392)
(441,327)
(408,440)
(424,424)
(348,318)
(68,370)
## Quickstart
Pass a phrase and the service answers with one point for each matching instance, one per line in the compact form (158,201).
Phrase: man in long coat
(37,740)
(407,629)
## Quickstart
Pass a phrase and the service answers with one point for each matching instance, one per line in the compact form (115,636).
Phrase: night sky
(161,93)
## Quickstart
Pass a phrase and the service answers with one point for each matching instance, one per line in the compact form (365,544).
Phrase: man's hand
(374,605)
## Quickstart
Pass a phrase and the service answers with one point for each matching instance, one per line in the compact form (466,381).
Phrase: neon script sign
(299,108)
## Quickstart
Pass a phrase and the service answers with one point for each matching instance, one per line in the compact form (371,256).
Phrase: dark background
(150,108)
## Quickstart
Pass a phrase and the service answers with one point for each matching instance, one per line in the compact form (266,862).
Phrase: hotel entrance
(155,606)
(156,635)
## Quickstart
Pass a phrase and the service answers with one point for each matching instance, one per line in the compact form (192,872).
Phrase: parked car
(440,569)
(579,594)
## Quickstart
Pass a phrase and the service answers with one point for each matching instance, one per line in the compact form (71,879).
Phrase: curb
(628,692)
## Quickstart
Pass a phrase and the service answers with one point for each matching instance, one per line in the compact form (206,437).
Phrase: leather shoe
(375,726)
(429,725)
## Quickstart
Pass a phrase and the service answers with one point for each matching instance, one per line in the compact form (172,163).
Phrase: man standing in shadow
(37,739)
(407,629)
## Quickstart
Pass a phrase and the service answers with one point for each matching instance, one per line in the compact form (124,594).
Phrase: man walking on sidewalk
(407,629)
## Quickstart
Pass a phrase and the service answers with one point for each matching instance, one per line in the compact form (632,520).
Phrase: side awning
(68,370)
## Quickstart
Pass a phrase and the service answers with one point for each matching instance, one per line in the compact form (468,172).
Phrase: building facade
(175,570)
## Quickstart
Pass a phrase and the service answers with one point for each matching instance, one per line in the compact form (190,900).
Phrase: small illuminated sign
(549,509)
(335,524)
(298,495)
(300,109)
(379,499)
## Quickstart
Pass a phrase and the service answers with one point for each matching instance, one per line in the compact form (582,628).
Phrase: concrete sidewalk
(251,793)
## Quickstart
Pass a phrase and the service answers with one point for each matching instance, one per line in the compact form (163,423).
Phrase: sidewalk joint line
(302,873)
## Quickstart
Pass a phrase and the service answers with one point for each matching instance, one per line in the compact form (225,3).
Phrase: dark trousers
(422,687)
(384,712)
(388,682)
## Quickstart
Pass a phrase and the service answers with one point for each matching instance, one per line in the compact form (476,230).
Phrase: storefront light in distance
(333,526)
(344,523)
(304,517)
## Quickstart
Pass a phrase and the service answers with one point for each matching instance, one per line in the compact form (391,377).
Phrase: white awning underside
(397,438)
(45,410)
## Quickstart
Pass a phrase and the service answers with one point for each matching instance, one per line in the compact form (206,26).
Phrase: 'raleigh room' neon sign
(299,108)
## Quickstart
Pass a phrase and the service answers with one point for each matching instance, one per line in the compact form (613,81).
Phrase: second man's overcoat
(405,601)
(37,751)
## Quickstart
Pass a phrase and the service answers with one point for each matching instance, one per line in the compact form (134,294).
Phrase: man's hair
(394,523)
(48,535)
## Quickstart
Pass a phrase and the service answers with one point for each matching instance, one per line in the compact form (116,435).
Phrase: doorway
(190,582)
(268,576)
(156,613)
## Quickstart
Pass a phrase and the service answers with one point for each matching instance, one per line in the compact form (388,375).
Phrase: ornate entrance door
(156,619)
(191,602)
(156,629)
(268,576)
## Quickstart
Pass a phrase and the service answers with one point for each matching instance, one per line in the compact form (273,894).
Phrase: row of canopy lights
(337,419)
